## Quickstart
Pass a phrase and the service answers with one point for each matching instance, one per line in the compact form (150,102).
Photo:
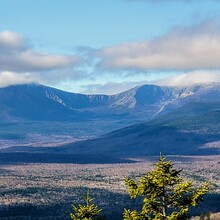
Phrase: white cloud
(190,78)
(186,48)
(16,55)
(11,78)
(11,40)
(110,88)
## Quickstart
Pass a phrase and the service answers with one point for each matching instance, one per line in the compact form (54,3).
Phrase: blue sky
(96,46)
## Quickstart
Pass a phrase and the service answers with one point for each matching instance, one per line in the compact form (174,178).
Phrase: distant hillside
(181,132)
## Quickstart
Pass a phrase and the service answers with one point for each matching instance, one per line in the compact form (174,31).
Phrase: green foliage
(86,212)
(166,196)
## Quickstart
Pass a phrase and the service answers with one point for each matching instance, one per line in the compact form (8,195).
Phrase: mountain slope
(186,135)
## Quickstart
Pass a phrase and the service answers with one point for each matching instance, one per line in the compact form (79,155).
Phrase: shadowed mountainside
(177,133)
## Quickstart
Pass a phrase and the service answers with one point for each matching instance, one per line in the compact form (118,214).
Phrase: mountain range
(38,102)
(171,120)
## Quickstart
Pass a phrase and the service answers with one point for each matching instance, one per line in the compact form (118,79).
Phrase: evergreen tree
(166,196)
(86,212)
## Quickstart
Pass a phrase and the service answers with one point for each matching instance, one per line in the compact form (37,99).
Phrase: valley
(40,119)
(55,145)
(53,133)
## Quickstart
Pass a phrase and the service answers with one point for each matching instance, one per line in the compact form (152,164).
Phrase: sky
(96,46)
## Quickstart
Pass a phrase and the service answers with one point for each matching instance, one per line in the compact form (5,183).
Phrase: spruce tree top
(166,196)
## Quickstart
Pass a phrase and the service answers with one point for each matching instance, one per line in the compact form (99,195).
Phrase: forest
(48,190)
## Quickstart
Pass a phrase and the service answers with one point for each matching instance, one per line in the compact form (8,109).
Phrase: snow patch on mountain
(54,97)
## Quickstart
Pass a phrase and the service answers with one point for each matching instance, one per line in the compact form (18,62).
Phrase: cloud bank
(10,78)
(188,79)
(191,52)
(182,49)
